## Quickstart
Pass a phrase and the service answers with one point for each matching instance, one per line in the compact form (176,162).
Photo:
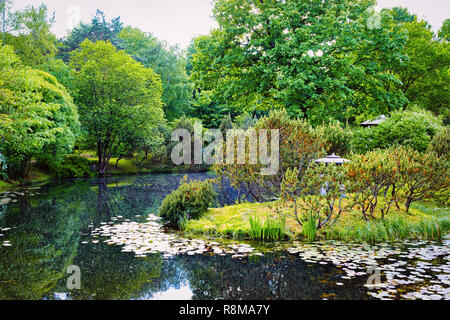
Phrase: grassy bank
(36,175)
(424,221)
(4,186)
(126,166)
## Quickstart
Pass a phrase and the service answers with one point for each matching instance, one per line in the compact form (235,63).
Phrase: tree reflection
(49,230)
(109,274)
(270,277)
(45,235)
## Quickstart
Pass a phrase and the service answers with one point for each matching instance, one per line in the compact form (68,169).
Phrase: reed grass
(269,229)
(392,229)
(309,229)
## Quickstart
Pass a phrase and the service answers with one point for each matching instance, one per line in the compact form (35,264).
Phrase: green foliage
(70,167)
(422,176)
(441,143)
(338,139)
(270,229)
(299,146)
(309,228)
(61,71)
(399,175)
(3,167)
(245,121)
(415,128)
(99,29)
(319,59)
(6,18)
(323,189)
(370,175)
(393,228)
(30,34)
(444,32)
(319,195)
(37,115)
(167,62)
(119,99)
(189,201)
(425,77)
(226,124)
(401,14)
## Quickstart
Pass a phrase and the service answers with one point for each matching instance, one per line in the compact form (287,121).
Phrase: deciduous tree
(118,97)
(37,115)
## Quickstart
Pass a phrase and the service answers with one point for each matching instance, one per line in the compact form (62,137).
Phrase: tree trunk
(408,204)
(117,162)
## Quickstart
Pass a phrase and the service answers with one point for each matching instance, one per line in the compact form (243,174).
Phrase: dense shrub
(399,175)
(441,143)
(370,175)
(422,176)
(337,139)
(70,167)
(413,129)
(245,121)
(225,124)
(189,201)
(322,193)
(299,145)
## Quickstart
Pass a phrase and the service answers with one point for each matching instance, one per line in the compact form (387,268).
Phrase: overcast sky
(177,21)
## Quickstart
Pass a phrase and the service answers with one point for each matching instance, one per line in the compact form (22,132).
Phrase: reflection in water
(44,230)
(273,276)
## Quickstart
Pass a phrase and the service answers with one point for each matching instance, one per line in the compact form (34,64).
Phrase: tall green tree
(118,97)
(424,76)
(444,32)
(98,29)
(29,32)
(37,115)
(169,63)
(319,59)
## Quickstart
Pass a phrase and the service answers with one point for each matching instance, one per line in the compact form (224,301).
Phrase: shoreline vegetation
(125,167)
(260,221)
(425,221)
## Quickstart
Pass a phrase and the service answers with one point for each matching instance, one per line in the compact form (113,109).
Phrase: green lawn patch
(424,221)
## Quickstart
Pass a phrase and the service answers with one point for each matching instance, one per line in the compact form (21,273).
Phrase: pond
(109,230)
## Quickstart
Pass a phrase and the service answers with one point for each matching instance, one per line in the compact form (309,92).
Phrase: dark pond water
(109,231)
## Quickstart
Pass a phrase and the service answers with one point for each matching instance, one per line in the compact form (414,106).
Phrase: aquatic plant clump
(270,229)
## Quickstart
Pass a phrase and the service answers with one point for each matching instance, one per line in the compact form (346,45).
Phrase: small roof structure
(374,122)
(332,159)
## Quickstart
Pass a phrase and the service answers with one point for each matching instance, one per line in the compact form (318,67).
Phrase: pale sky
(177,21)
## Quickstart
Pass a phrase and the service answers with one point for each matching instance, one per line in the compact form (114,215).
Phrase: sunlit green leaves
(37,114)
(119,99)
